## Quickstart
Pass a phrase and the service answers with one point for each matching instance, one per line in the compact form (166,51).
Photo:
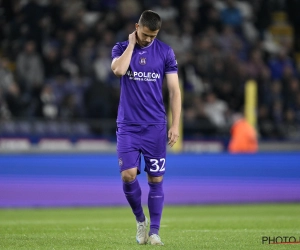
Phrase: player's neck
(143,46)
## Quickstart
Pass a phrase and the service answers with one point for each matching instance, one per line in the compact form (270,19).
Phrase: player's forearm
(120,65)
(175,104)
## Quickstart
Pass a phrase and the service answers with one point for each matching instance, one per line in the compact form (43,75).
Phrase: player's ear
(136,26)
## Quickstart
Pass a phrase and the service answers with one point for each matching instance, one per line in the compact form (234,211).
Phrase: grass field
(221,227)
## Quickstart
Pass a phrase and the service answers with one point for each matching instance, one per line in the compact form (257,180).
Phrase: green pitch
(234,227)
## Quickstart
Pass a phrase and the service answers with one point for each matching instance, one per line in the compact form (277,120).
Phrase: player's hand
(132,38)
(173,135)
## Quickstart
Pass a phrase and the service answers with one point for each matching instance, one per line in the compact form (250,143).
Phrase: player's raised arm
(120,65)
(175,104)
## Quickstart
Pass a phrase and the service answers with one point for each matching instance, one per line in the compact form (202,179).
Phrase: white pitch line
(243,231)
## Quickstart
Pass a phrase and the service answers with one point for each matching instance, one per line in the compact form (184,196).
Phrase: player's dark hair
(151,20)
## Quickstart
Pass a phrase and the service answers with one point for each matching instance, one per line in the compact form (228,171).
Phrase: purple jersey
(141,100)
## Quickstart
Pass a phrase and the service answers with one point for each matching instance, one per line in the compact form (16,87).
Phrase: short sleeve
(171,63)
(117,51)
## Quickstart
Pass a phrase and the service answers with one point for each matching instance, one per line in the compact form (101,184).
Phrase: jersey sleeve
(117,51)
(171,63)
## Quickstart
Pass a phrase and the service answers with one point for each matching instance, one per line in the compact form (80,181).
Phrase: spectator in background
(248,30)
(278,63)
(255,64)
(86,56)
(296,108)
(263,83)
(265,126)
(129,9)
(291,90)
(243,136)
(48,107)
(209,16)
(30,75)
(69,62)
(231,15)
(51,60)
(70,42)
(34,22)
(102,65)
(203,55)
(293,9)
(292,128)
(229,41)
(166,10)
(277,115)
(61,86)
(196,121)
(80,86)
(122,34)
(216,110)
(30,69)
(12,98)
(68,107)
(275,92)
(14,101)
(6,76)
(4,112)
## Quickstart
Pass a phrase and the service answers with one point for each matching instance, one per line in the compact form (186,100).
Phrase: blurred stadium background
(58,98)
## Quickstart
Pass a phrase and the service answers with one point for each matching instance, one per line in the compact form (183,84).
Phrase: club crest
(143,60)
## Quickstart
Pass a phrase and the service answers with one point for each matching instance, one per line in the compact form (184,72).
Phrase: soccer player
(142,62)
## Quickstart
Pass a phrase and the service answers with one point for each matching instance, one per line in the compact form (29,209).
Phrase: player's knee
(155,179)
(128,175)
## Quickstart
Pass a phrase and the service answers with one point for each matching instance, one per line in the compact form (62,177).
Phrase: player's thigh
(128,151)
(154,150)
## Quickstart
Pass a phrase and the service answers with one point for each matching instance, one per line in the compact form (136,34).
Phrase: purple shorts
(149,140)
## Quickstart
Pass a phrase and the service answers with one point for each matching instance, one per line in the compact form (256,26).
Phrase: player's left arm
(175,104)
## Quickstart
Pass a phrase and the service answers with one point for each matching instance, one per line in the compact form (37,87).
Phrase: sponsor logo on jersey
(142,76)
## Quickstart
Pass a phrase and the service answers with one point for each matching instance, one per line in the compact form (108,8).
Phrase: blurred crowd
(55,58)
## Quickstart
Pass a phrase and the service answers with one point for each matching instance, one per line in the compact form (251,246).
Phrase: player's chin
(145,44)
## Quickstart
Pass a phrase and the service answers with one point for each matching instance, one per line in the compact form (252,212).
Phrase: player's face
(144,35)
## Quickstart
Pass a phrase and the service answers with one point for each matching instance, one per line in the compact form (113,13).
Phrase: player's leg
(155,206)
(133,195)
(129,163)
(133,192)
(154,151)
